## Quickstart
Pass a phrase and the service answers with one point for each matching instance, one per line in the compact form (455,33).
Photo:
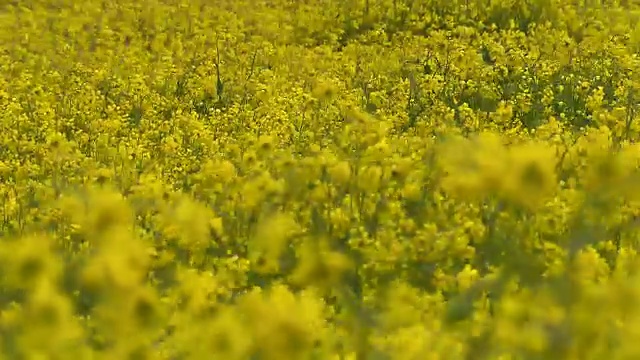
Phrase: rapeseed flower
(272,180)
(532,175)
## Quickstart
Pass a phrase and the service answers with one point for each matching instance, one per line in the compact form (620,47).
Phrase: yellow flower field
(320,179)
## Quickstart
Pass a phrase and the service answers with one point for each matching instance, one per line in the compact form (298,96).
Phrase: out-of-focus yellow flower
(318,266)
(105,210)
(324,91)
(474,168)
(49,325)
(193,220)
(270,241)
(28,261)
(284,325)
(340,173)
(370,179)
(466,277)
(531,177)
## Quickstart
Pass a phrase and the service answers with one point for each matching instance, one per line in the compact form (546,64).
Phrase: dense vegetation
(319,179)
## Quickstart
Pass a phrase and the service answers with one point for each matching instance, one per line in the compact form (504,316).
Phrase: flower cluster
(380,179)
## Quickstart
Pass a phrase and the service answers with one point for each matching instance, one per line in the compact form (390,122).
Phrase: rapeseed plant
(278,180)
